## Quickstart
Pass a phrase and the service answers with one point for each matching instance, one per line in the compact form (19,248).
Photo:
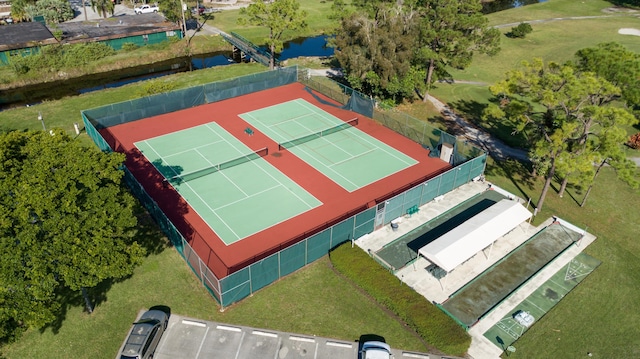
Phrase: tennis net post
(319,134)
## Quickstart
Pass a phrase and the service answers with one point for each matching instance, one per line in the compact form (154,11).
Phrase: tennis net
(185,177)
(319,134)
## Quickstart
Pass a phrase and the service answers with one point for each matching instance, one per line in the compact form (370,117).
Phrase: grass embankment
(433,325)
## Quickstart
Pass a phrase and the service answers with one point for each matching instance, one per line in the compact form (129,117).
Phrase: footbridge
(243,47)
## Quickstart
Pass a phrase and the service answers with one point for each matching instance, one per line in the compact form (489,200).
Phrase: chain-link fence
(267,269)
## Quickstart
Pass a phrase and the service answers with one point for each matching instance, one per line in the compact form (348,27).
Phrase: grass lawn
(553,41)
(313,301)
(316,19)
(550,9)
(601,315)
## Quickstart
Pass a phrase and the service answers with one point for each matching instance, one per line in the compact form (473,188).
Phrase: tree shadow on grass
(73,298)
(519,173)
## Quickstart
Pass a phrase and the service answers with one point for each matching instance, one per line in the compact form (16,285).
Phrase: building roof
(31,34)
(463,242)
(115,27)
(25,35)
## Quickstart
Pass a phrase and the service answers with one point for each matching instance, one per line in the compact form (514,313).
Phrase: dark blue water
(310,46)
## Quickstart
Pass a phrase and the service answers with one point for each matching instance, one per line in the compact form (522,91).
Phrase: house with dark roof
(145,29)
(23,39)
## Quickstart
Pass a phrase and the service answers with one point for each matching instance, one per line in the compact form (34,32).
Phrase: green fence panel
(412,196)
(364,222)
(342,231)
(293,258)
(462,175)
(318,245)
(95,135)
(264,272)
(478,165)
(394,208)
(447,181)
(235,287)
(430,190)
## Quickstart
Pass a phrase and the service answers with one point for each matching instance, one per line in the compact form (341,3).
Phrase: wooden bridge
(243,47)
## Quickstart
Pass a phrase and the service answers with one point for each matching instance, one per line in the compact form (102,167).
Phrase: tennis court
(507,330)
(404,250)
(346,155)
(230,186)
(474,300)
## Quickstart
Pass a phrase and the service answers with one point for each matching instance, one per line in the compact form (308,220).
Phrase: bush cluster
(520,31)
(56,57)
(433,325)
(634,141)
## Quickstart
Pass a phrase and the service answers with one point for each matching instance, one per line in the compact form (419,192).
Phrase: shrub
(82,54)
(153,87)
(129,46)
(521,30)
(433,325)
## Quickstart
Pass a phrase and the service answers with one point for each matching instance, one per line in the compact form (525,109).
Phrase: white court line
(365,139)
(193,148)
(534,304)
(299,148)
(352,157)
(247,197)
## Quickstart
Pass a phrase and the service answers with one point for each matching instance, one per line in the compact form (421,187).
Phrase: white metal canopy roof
(463,242)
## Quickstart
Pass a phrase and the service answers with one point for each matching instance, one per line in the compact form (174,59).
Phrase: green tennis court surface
(507,330)
(474,300)
(235,191)
(404,250)
(348,156)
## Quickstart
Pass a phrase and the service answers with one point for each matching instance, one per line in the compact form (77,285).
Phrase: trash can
(394,226)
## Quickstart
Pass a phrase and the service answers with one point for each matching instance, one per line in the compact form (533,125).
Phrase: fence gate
(379,216)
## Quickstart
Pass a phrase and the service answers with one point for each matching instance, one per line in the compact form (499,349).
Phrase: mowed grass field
(600,316)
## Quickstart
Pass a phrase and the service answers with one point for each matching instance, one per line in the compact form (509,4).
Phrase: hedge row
(434,326)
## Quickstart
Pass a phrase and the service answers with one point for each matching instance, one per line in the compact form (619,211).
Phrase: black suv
(145,335)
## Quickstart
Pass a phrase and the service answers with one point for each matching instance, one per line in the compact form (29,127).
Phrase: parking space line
(231,329)
(240,345)
(264,334)
(204,337)
(414,355)
(302,339)
(341,345)
(191,322)
(277,353)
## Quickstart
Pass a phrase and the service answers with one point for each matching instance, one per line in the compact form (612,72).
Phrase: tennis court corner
(497,331)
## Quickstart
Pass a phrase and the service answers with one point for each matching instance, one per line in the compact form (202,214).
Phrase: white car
(524,318)
(146,9)
(375,350)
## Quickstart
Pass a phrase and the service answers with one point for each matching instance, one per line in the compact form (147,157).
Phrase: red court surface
(338,204)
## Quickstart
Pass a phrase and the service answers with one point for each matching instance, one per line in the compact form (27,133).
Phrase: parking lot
(195,339)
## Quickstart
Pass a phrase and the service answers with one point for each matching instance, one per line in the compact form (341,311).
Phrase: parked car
(144,335)
(199,10)
(145,9)
(375,350)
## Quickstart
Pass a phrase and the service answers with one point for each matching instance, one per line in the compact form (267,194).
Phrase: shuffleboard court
(231,187)
(506,331)
(340,151)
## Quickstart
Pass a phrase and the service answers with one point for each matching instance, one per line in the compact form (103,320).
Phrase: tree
(617,65)
(567,115)
(55,11)
(278,16)
(103,7)
(376,53)
(450,33)
(172,10)
(66,222)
